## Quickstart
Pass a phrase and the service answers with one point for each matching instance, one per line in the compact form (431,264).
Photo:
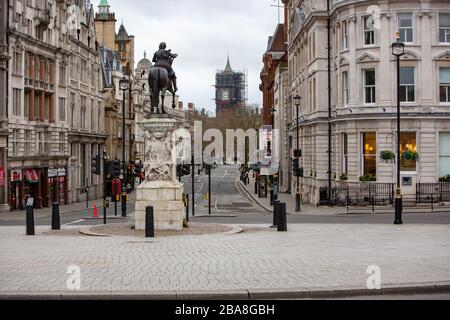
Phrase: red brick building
(276,53)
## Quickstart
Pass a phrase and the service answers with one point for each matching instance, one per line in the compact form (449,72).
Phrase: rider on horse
(163,58)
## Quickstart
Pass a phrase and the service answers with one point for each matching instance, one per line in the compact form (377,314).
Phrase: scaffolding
(231,89)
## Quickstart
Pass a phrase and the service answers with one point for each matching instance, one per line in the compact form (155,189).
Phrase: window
(27,143)
(15,143)
(26,105)
(344,35)
(83,112)
(72,109)
(369,31)
(369,86)
(17,102)
(100,117)
(345,88)
(92,115)
(37,105)
(62,75)
(444,27)
(444,154)
(345,154)
(405,27)
(408,152)
(369,150)
(444,84)
(61,143)
(407,84)
(17,63)
(62,109)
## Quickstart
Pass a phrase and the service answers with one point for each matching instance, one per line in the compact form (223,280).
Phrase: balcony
(39,85)
(28,83)
(42,16)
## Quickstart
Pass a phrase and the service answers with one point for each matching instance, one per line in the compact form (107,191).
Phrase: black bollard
(149,223)
(56,221)
(124,205)
(30,221)
(256,187)
(275,214)
(187,208)
(282,218)
(271,197)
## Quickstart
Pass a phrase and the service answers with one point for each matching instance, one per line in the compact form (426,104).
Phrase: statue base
(166,198)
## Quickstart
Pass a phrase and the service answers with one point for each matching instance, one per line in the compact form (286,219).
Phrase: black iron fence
(359,194)
(433,192)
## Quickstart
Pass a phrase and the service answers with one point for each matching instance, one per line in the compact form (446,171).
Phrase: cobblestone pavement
(307,256)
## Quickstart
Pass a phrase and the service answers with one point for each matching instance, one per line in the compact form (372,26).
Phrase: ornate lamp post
(124,85)
(297,101)
(398,50)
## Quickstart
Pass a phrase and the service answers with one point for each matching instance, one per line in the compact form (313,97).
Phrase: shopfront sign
(53,173)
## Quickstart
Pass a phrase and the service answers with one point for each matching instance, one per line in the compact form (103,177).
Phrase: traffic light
(297,171)
(116,168)
(95,165)
(208,169)
(186,169)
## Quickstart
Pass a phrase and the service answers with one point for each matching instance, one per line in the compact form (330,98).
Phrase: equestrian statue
(162,78)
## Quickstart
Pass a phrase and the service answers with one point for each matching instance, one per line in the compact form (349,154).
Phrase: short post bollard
(282,218)
(56,221)
(187,208)
(256,187)
(275,214)
(149,223)
(271,197)
(30,221)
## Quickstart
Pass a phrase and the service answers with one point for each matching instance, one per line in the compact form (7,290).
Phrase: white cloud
(202,32)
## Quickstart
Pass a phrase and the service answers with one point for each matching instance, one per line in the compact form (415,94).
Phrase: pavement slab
(318,257)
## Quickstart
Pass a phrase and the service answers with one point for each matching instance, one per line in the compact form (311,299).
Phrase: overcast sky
(202,32)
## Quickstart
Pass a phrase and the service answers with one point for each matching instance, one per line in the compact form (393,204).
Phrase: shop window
(369,153)
(444,154)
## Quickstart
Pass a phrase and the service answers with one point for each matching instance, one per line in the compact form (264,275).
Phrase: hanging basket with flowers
(410,155)
(387,155)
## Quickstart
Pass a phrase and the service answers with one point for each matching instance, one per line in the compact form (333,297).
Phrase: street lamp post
(398,50)
(272,149)
(124,85)
(297,101)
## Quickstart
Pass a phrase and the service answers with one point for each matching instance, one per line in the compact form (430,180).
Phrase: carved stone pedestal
(161,188)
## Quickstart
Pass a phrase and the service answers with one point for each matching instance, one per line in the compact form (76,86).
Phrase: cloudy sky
(202,32)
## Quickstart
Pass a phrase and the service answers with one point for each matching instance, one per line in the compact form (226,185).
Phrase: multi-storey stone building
(346,46)
(38,148)
(86,116)
(4,57)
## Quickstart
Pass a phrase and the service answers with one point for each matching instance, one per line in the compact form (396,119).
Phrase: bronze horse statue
(160,82)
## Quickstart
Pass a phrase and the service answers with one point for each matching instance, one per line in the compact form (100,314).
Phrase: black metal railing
(433,192)
(359,194)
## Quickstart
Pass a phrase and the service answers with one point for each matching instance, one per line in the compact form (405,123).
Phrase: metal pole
(193,185)
(209,187)
(56,221)
(187,208)
(398,197)
(87,193)
(149,222)
(297,194)
(104,186)
(124,186)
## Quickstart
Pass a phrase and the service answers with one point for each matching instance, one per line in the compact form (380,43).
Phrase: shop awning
(31,175)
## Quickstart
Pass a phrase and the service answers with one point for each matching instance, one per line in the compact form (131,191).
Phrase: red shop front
(25,183)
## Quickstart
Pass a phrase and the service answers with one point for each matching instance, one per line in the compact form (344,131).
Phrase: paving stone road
(309,255)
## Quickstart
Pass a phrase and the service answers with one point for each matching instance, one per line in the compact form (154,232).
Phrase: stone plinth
(166,199)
